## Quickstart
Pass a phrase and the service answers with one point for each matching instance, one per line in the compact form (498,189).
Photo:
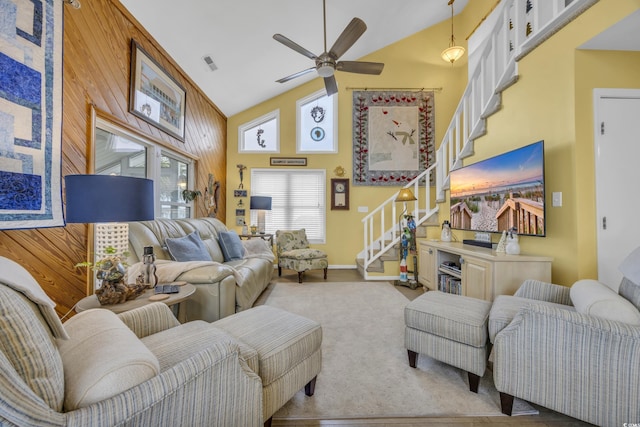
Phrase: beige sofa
(222,288)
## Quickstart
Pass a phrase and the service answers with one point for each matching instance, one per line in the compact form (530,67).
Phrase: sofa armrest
(149,319)
(542,291)
(576,364)
(212,387)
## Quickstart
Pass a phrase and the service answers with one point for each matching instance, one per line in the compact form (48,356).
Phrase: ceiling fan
(327,63)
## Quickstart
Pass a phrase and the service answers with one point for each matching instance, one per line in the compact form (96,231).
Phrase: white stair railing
(520,26)
(385,219)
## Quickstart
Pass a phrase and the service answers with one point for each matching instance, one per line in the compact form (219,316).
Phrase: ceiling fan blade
(349,36)
(298,74)
(360,67)
(293,45)
(331,85)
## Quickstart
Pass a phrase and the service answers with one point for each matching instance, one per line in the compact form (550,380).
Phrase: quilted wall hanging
(393,136)
(30,113)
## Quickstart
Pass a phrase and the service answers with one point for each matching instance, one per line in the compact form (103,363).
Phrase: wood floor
(545,418)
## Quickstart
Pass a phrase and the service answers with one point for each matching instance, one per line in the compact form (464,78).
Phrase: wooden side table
(263,236)
(185,293)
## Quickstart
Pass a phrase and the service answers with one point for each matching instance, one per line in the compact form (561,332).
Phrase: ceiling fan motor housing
(326,66)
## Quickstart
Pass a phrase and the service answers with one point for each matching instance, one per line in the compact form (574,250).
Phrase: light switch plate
(556,199)
(363,208)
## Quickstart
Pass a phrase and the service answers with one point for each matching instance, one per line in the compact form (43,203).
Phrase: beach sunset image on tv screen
(502,193)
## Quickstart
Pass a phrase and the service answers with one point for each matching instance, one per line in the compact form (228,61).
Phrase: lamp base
(261,222)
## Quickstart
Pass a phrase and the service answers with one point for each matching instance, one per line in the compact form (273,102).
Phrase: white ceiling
(237,34)
(621,36)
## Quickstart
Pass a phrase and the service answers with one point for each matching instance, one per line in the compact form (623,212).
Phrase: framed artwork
(240,212)
(239,193)
(288,161)
(154,95)
(317,123)
(31,114)
(339,194)
(393,136)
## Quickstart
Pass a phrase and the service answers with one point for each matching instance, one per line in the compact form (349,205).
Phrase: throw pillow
(102,359)
(187,248)
(593,298)
(231,245)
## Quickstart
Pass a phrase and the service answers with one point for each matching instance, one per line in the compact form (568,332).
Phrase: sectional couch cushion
(187,248)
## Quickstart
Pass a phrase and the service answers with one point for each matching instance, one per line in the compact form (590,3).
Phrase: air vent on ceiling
(207,60)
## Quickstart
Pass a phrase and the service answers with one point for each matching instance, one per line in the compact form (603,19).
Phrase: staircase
(513,29)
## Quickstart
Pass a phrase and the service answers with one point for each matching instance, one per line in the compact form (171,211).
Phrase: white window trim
(154,153)
(275,114)
(322,172)
(306,100)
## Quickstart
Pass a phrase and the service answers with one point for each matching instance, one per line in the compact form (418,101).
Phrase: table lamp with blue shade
(260,204)
(110,202)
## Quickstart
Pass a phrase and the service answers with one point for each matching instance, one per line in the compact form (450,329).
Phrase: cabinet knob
(461,260)
(430,251)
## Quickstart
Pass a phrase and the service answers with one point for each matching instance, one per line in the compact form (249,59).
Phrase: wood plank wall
(97,54)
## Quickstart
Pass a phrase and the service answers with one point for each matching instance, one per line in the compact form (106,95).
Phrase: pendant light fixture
(453,52)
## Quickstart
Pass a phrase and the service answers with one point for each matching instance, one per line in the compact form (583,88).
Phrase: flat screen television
(501,193)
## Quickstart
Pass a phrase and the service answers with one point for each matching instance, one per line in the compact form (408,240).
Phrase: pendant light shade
(453,52)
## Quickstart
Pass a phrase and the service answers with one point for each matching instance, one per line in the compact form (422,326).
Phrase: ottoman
(281,347)
(449,328)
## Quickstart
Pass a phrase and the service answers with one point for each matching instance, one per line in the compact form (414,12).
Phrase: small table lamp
(261,204)
(109,199)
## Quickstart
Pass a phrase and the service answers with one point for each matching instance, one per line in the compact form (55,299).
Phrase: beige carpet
(365,371)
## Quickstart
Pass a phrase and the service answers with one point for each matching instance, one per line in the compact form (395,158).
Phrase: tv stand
(475,271)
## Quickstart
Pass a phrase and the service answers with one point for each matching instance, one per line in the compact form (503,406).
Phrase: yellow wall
(413,62)
(551,101)
(594,69)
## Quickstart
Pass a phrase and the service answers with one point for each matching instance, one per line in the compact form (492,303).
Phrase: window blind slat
(297,200)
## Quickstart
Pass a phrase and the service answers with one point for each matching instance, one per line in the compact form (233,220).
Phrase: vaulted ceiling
(238,36)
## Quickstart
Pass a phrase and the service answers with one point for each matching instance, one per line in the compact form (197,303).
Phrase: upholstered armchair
(97,369)
(574,350)
(294,253)
(142,367)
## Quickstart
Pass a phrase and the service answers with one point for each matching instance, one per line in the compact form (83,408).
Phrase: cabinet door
(426,266)
(476,278)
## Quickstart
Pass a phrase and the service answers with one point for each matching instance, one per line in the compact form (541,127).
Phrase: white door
(617,152)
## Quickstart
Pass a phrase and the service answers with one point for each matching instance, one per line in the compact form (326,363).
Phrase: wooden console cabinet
(478,272)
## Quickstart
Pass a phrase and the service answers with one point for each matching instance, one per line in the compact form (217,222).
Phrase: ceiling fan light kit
(327,63)
(453,52)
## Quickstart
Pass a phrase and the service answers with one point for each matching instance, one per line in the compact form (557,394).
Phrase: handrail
(519,28)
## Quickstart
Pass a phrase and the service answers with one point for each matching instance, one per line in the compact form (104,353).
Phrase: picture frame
(240,212)
(288,161)
(239,193)
(154,95)
(339,194)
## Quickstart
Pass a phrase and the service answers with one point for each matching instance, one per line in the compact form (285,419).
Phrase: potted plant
(111,271)
(191,195)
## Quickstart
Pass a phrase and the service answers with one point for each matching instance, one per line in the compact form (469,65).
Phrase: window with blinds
(298,200)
